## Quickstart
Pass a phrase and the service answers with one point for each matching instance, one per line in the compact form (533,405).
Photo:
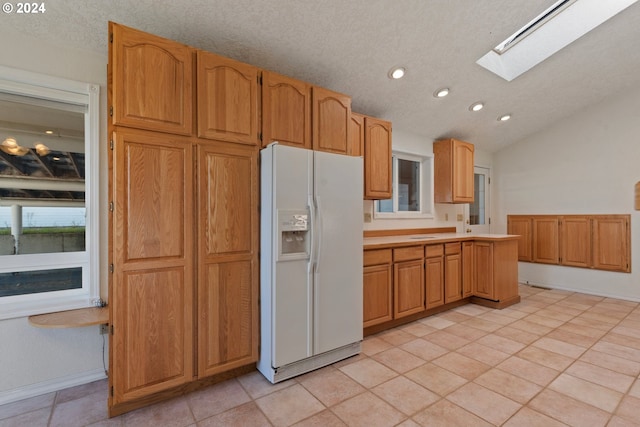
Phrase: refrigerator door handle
(318,229)
(312,231)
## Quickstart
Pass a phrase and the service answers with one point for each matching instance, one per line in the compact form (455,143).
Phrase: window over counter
(49,168)
(412,181)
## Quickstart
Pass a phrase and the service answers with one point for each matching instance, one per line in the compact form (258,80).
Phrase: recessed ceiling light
(48,132)
(504,118)
(441,93)
(476,106)
(397,73)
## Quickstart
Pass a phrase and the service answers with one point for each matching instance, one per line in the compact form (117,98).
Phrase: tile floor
(557,358)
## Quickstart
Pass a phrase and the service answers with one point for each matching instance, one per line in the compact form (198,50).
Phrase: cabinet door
(463,173)
(521,226)
(152,282)
(408,284)
(434,280)
(227,257)
(484,270)
(453,277)
(575,241)
(152,82)
(286,110)
(378,297)
(545,240)
(468,268)
(356,136)
(377,159)
(331,121)
(453,171)
(227,99)
(611,243)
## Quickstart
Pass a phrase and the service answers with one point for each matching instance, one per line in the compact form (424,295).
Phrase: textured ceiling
(349,46)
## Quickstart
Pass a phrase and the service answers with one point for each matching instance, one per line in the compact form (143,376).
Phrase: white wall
(588,163)
(35,361)
(416,144)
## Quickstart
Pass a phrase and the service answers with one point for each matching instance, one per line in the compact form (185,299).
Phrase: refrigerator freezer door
(291,314)
(338,291)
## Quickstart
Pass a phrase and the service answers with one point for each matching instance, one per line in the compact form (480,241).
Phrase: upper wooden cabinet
(590,241)
(521,226)
(151,82)
(377,159)
(611,242)
(545,240)
(356,136)
(453,171)
(286,110)
(227,99)
(331,121)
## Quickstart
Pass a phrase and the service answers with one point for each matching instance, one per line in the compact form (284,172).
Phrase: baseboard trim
(44,387)
(578,290)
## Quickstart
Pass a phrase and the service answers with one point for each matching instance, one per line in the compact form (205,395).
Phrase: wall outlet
(460,217)
(104,329)
(367,217)
(446,217)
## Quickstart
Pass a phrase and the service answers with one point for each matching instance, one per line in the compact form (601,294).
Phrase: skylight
(558,26)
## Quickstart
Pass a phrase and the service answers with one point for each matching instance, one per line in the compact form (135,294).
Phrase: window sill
(71,318)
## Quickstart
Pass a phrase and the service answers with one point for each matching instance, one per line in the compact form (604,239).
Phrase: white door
(477,214)
(338,252)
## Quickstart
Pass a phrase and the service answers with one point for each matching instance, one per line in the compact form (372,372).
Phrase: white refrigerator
(310,260)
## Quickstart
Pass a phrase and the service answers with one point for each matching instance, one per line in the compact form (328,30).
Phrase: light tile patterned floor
(557,358)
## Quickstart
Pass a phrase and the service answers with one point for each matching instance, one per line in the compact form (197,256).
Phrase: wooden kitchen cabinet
(331,120)
(611,242)
(183,227)
(408,281)
(227,257)
(377,287)
(468,268)
(286,110)
(575,241)
(496,273)
(356,135)
(227,99)
(377,159)
(152,81)
(434,275)
(521,225)
(452,272)
(589,241)
(151,292)
(453,171)
(545,239)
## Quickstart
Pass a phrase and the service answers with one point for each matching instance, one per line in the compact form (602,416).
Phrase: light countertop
(427,239)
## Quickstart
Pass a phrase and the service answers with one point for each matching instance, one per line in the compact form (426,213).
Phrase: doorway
(477,214)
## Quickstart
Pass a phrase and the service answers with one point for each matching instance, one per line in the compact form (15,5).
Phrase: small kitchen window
(48,193)
(412,180)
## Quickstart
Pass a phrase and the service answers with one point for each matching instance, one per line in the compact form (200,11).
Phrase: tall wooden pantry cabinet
(183,227)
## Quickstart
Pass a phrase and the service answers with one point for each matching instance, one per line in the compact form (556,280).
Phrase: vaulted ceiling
(349,46)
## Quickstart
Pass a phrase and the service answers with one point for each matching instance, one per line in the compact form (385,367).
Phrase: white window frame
(87,95)
(426,188)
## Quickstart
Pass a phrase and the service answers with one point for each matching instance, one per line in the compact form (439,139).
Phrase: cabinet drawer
(406,254)
(377,257)
(452,248)
(434,251)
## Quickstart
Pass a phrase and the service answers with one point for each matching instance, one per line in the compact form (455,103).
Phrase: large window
(412,188)
(48,193)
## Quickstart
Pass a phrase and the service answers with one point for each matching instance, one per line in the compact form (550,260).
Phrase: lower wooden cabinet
(589,241)
(400,283)
(408,289)
(496,273)
(377,287)
(452,272)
